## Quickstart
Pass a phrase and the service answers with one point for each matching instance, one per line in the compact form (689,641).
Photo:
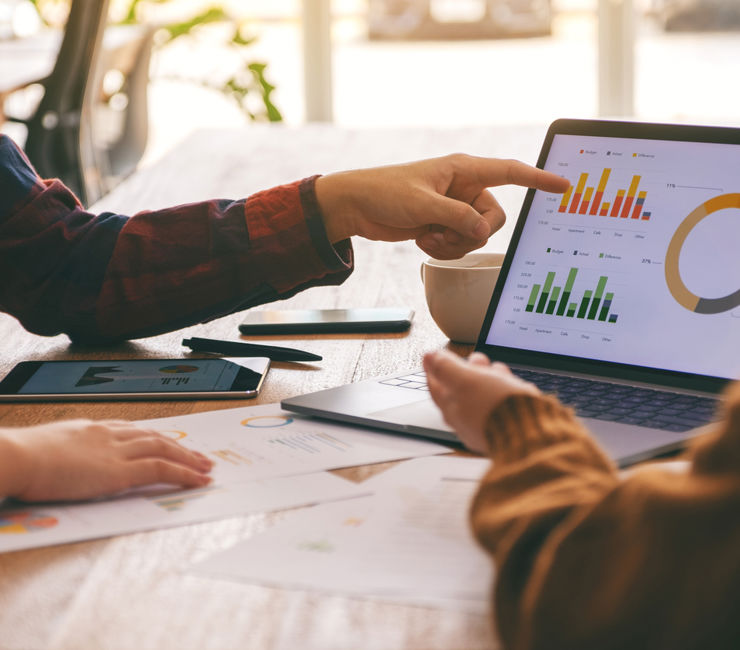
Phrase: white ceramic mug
(458,292)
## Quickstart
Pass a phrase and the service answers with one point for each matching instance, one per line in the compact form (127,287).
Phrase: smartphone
(134,379)
(327,321)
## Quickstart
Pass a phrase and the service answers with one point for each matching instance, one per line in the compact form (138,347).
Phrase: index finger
(494,172)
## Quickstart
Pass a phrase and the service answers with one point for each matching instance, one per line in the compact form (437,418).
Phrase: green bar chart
(556,300)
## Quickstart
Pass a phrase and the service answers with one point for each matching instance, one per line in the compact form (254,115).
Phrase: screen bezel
(558,362)
(247,384)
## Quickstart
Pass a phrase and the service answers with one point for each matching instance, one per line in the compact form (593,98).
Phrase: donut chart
(680,292)
(267,421)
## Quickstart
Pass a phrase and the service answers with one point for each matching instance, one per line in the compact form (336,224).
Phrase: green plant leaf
(239,40)
(266,88)
(212,15)
(246,84)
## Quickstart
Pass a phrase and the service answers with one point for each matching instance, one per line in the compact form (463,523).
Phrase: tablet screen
(135,376)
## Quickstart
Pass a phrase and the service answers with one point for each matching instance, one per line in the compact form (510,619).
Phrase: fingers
(436,245)
(469,209)
(479,359)
(158,446)
(448,243)
(490,209)
(132,432)
(443,366)
(137,442)
(502,368)
(455,214)
(439,390)
(157,459)
(108,429)
(492,172)
(468,223)
(449,369)
(115,423)
(440,396)
(158,470)
(518,173)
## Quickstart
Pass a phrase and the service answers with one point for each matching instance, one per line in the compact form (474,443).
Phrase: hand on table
(81,459)
(442,203)
(467,391)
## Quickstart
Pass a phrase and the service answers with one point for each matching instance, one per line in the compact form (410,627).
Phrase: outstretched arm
(106,277)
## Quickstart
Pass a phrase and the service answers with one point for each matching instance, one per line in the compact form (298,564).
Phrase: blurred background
(378,63)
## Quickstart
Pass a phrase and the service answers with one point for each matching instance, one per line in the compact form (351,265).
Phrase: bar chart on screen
(594,303)
(624,202)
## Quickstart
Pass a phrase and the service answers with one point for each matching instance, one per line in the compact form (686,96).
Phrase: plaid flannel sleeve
(108,277)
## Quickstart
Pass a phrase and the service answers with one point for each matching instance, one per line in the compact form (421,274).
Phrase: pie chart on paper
(25,522)
(178,369)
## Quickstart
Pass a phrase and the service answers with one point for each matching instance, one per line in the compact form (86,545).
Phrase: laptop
(621,296)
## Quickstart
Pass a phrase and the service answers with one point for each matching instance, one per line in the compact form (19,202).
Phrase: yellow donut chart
(676,285)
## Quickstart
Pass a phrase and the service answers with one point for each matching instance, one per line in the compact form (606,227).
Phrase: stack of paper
(265,459)
(409,541)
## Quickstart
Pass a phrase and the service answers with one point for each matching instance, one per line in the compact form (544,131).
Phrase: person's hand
(81,459)
(442,203)
(467,391)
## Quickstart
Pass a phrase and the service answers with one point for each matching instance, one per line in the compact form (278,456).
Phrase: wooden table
(130,592)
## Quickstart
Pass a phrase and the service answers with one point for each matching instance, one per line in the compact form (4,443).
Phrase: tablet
(134,379)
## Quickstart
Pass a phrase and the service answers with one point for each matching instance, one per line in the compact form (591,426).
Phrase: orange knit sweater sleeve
(586,558)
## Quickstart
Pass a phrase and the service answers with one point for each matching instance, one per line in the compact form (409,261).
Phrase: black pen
(240,349)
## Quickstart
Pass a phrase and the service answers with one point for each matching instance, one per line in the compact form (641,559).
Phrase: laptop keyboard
(415,380)
(606,401)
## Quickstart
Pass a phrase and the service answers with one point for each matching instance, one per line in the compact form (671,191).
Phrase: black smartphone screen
(135,379)
(317,321)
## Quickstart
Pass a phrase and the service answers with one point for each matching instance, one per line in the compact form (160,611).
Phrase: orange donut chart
(267,421)
(676,285)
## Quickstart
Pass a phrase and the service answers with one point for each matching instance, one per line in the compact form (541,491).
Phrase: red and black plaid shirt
(106,277)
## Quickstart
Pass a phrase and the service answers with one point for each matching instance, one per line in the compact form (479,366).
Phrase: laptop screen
(638,263)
